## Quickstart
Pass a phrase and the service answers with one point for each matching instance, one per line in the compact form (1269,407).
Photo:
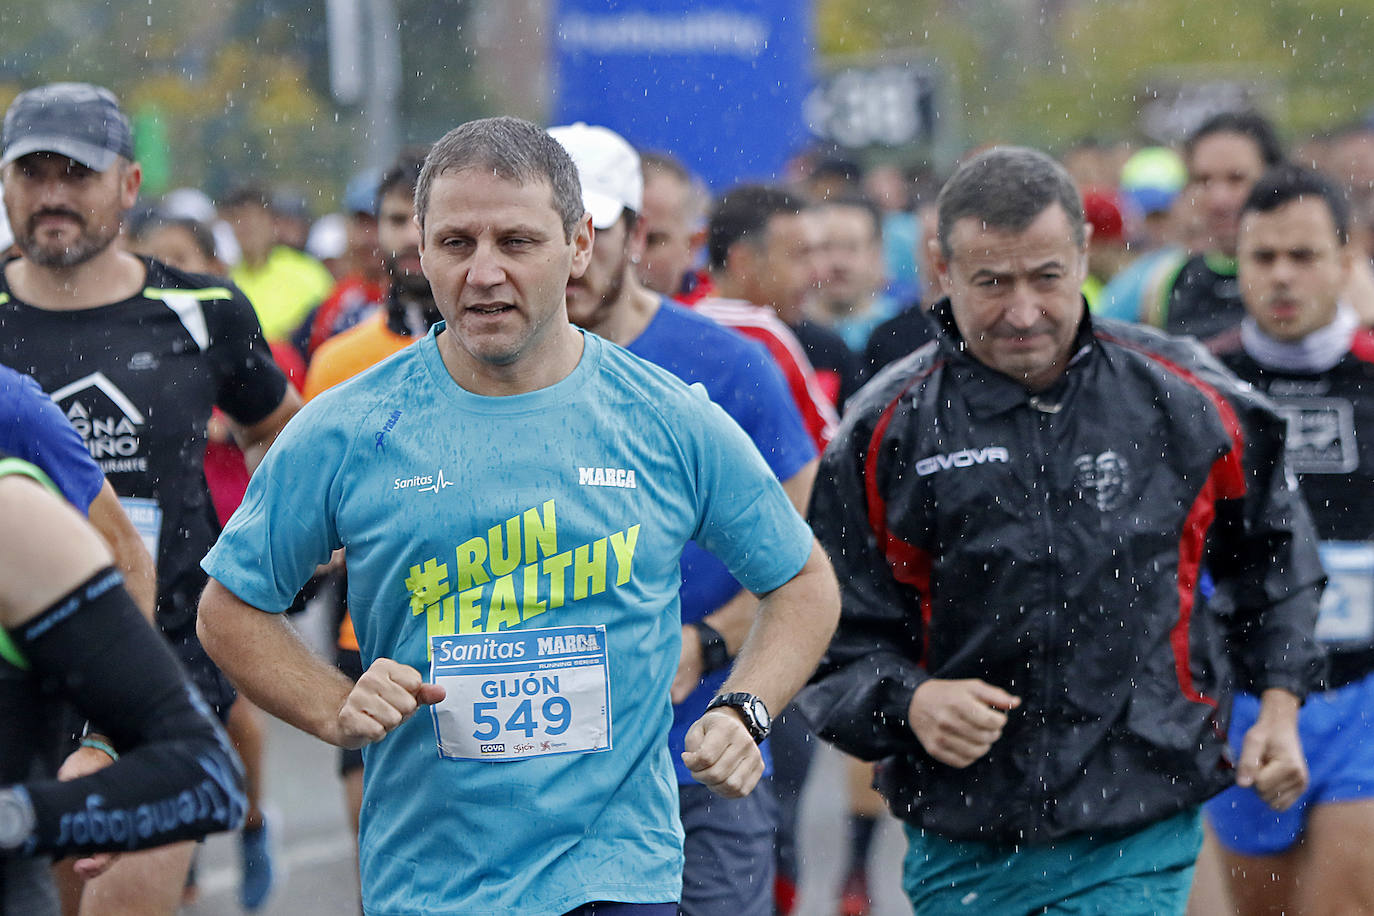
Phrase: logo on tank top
(1321,435)
(387,427)
(109,423)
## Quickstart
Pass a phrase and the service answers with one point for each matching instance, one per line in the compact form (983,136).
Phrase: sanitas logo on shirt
(424,483)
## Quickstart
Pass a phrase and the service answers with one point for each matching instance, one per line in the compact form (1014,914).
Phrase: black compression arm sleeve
(178,778)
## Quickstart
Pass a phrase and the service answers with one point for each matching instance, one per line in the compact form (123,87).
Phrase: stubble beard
(88,244)
(606,301)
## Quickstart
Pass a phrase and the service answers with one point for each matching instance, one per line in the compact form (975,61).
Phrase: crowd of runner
(541,421)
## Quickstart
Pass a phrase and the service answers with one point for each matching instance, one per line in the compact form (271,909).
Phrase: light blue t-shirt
(461,514)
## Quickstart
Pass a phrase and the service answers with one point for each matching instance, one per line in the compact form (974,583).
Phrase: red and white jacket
(761,324)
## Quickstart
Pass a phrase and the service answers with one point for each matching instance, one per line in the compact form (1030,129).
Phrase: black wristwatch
(751,708)
(714,653)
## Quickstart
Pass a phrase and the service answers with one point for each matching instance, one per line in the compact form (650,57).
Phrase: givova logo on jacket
(964,458)
(1105,479)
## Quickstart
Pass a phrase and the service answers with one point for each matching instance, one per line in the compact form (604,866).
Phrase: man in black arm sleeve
(70,632)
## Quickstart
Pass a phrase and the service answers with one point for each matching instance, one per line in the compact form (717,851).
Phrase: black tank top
(1205,298)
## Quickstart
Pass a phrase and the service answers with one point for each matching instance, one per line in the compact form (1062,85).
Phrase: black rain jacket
(1054,545)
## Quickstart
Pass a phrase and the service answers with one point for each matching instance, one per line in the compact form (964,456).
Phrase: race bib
(1347,609)
(522,693)
(146,515)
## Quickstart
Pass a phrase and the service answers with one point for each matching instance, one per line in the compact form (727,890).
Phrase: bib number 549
(555,715)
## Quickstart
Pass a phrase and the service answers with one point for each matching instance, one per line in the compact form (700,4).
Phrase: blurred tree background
(223,91)
(1049,72)
(227,89)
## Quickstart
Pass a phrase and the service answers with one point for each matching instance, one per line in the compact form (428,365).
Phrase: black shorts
(26,887)
(212,683)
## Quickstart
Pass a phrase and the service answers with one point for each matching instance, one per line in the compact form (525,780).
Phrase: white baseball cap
(608,168)
(328,237)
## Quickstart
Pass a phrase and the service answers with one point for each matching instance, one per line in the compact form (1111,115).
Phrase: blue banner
(719,85)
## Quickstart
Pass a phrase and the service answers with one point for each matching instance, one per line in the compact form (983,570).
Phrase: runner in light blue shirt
(513,497)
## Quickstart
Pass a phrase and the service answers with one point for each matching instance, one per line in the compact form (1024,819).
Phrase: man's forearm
(1278,703)
(798,487)
(792,628)
(255,440)
(131,557)
(271,665)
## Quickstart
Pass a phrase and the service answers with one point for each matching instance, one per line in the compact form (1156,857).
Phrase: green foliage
(1051,71)
(241,86)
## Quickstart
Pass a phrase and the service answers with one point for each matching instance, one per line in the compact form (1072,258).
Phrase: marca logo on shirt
(607,477)
(109,423)
(964,458)
(423,483)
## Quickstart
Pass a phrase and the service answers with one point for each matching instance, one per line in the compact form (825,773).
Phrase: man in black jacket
(1028,519)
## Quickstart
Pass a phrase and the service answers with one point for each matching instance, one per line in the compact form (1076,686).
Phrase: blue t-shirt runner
(524,550)
(742,378)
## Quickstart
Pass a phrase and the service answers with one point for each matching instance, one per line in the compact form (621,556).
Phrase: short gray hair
(514,150)
(1006,188)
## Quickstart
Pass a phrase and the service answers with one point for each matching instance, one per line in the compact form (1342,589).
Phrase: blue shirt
(566,506)
(32,427)
(742,378)
(1124,295)
(855,330)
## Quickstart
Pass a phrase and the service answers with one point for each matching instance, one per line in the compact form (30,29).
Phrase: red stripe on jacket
(911,565)
(1226,480)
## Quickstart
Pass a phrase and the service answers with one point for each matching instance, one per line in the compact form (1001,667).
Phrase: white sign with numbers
(1347,610)
(522,693)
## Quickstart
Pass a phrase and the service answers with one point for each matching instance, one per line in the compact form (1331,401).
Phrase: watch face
(751,709)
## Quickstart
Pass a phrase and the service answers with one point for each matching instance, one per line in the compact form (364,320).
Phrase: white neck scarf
(1318,352)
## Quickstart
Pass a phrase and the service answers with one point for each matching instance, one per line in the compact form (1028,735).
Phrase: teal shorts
(1149,871)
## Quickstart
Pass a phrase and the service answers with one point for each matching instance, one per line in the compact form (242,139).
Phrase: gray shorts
(730,852)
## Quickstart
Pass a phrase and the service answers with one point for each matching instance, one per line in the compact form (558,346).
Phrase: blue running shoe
(255,855)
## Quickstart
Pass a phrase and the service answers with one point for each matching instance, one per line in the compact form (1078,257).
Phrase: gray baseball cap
(76,120)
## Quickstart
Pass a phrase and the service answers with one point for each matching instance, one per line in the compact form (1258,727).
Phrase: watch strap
(748,706)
